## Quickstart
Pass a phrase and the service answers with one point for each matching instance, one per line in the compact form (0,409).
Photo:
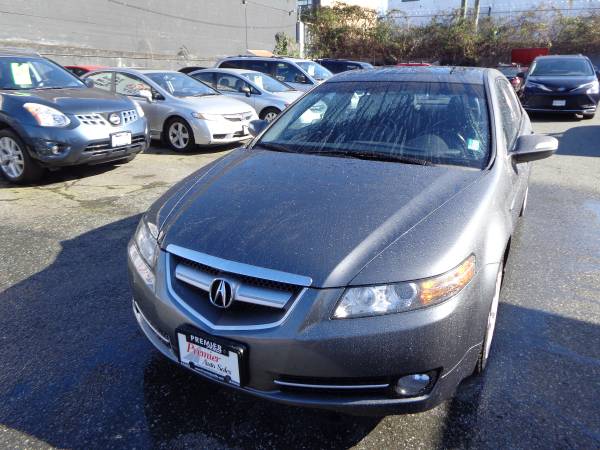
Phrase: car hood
(321,217)
(568,83)
(75,100)
(216,104)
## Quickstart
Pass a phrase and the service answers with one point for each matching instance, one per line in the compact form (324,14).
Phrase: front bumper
(83,144)
(214,132)
(552,102)
(309,348)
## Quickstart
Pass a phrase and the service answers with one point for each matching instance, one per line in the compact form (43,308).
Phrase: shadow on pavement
(77,373)
(553,118)
(579,141)
(158,148)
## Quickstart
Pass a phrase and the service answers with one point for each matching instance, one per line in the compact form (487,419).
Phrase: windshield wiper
(372,156)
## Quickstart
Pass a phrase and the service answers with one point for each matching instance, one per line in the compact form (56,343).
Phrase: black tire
(31,171)
(484,354)
(588,116)
(185,141)
(269,112)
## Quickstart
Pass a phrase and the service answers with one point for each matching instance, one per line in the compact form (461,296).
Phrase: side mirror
(532,147)
(257,126)
(597,74)
(89,82)
(246,90)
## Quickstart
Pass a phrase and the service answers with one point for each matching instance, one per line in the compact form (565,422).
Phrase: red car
(82,70)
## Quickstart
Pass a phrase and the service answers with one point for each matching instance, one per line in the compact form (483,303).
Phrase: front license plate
(211,357)
(245,129)
(120,139)
(559,102)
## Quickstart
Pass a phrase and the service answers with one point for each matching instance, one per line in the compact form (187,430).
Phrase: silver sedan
(264,93)
(180,110)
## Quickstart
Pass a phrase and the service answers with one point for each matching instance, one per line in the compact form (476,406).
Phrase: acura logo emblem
(221,293)
(114,118)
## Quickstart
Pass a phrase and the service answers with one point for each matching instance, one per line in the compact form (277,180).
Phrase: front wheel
(491,325)
(15,163)
(179,137)
(269,114)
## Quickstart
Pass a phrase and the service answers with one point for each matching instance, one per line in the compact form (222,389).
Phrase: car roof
(227,70)
(17,52)
(561,56)
(445,74)
(342,60)
(269,58)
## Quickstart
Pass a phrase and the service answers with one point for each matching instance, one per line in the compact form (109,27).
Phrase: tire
(588,116)
(15,163)
(178,135)
(490,326)
(269,114)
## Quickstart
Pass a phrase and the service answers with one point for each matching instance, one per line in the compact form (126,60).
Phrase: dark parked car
(343,65)
(352,261)
(561,84)
(50,118)
(514,74)
(190,69)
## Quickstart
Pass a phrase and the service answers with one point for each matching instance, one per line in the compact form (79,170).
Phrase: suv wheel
(179,135)
(15,163)
(269,114)
(491,324)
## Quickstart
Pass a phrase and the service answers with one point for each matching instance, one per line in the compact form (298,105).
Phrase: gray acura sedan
(350,259)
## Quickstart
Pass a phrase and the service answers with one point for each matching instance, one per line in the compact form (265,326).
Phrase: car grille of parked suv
(238,117)
(127,117)
(258,302)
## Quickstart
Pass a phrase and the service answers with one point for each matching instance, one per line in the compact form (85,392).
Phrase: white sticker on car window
(474,145)
(20,73)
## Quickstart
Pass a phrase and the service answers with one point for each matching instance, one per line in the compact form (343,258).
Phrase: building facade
(415,12)
(144,33)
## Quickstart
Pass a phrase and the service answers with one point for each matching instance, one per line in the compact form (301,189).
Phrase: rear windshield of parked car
(561,67)
(431,123)
(181,85)
(35,73)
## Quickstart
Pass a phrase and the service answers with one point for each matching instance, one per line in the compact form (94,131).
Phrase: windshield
(317,71)
(563,67)
(35,73)
(266,82)
(181,85)
(508,71)
(416,122)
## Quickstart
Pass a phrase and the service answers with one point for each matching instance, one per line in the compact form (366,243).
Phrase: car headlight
(590,88)
(205,116)
(531,84)
(399,297)
(139,109)
(46,116)
(144,251)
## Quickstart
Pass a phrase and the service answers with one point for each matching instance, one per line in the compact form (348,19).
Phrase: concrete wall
(143,33)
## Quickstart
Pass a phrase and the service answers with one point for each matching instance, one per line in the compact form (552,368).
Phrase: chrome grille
(91,119)
(262,298)
(238,117)
(129,116)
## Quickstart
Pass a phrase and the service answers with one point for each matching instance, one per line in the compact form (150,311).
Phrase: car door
(151,101)
(512,127)
(291,75)
(232,85)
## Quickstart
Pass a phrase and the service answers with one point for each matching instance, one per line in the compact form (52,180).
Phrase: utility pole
(476,19)
(463,9)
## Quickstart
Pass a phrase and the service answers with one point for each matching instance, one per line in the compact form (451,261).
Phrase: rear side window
(509,111)
(102,80)
(232,64)
(289,74)
(206,77)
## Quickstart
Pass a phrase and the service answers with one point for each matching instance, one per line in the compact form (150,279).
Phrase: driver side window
(102,80)
(509,113)
(131,85)
(287,73)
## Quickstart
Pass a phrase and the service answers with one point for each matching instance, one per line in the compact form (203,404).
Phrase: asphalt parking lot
(75,371)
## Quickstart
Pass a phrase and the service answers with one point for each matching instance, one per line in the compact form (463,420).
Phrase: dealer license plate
(211,357)
(559,102)
(120,139)
(244,130)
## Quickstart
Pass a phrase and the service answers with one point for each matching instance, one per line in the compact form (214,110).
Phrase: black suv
(343,65)
(561,84)
(50,118)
